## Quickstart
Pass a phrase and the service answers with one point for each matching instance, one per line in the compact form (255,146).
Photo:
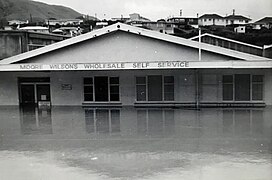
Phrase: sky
(161,9)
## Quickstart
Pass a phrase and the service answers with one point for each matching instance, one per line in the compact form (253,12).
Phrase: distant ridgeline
(34,11)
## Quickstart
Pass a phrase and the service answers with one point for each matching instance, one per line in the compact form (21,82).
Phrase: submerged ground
(129,143)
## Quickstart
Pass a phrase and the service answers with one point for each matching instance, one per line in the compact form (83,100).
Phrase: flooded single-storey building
(121,65)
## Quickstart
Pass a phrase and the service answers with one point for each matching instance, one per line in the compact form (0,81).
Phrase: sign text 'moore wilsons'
(105,66)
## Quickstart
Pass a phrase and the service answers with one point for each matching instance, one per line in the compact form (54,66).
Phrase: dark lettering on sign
(63,66)
(140,65)
(104,66)
(31,66)
(182,64)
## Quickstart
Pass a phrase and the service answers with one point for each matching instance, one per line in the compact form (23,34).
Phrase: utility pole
(199,44)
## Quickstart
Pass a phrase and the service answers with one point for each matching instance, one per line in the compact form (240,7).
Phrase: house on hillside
(211,20)
(17,22)
(38,29)
(64,22)
(185,21)
(237,20)
(125,66)
(265,22)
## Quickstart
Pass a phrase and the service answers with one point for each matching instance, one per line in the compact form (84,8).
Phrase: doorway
(34,91)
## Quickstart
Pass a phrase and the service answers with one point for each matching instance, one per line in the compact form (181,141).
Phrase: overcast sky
(156,9)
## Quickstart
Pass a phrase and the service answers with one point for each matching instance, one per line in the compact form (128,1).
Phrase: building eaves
(264,20)
(133,30)
(211,16)
(236,17)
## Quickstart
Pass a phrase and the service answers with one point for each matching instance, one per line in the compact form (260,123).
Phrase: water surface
(132,143)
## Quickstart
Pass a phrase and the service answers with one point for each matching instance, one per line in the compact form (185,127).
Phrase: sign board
(66,87)
(136,65)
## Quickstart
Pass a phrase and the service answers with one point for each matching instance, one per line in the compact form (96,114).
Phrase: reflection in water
(155,122)
(35,120)
(243,122)
(102,120)
(148,143)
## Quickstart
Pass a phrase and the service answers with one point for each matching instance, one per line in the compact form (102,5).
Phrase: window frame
(251,88)
(146,88)
(109,90)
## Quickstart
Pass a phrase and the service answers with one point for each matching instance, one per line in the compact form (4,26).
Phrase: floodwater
(130,143)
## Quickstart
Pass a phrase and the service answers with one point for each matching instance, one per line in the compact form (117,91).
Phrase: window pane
(88,80)
(114,80)
(257,91)
(114,89)
(155,88)
(88,89)
(114,97)
(169,79)
(140,80)
(88,97)
(101,88)
(257,78)
(242,87)
(169,88)
(141,92)
(169,96)
(227,92)
(227,79)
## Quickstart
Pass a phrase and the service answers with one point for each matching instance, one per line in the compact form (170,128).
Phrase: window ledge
(101,104)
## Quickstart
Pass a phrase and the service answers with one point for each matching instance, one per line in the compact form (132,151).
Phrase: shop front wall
(67,88)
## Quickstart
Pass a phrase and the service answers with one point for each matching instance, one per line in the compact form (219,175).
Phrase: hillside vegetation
(37,11)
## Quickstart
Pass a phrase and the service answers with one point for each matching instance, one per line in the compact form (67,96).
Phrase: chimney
(197,15)
(180,13)
(233,12)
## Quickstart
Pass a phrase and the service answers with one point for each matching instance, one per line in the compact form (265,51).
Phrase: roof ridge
(134,30)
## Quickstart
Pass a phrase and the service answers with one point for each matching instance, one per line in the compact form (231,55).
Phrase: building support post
(197,89)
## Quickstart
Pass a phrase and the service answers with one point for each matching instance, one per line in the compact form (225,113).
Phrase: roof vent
(118,26)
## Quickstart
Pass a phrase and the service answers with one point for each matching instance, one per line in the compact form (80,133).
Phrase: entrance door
(101,88)
(33,93)
(27,93)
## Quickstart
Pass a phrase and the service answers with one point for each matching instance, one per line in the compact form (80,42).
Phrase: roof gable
(132,31)
(237,17)
(211,16)
(264,20)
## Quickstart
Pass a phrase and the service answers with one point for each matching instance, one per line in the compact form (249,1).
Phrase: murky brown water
(128,143)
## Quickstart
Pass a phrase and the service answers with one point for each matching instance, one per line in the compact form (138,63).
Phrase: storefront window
(88,89)
(101,89)
(114,88)
(242,87)
(169,88)
(228,88)
(155,88)
(257,87)
(141,88)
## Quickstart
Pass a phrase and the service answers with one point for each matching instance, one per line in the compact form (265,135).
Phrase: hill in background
(37,11)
